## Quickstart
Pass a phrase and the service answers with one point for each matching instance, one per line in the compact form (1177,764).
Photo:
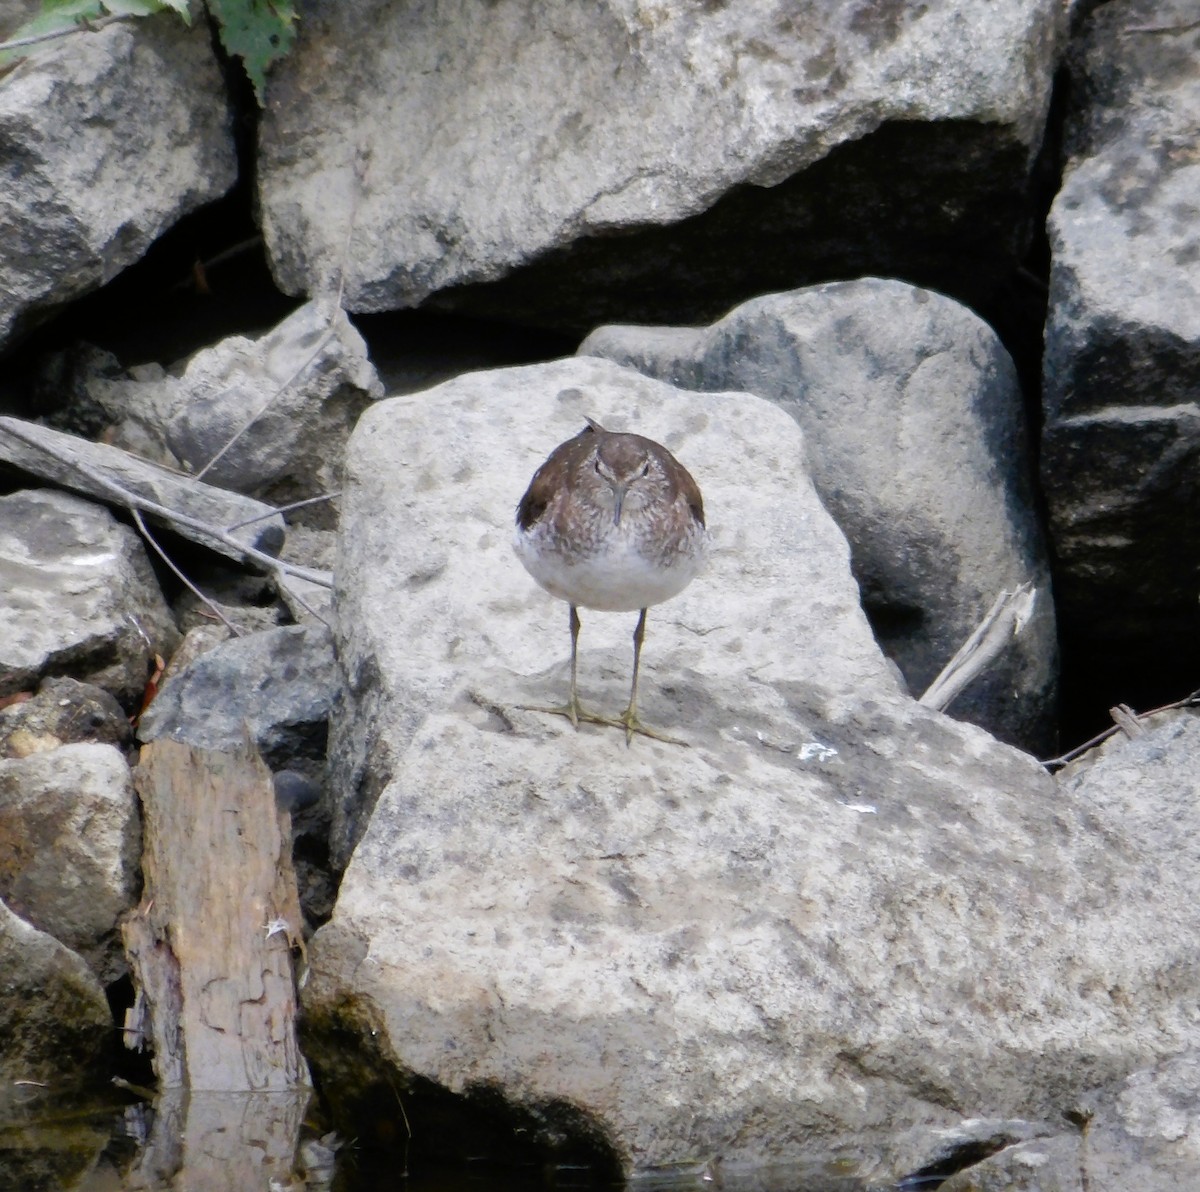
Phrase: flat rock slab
(429,589)
(833,916)
(461,143)
(214,517)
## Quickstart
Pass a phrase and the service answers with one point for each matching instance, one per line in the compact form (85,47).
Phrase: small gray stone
(71,837)
(77,596)
(63,712)
(277,685)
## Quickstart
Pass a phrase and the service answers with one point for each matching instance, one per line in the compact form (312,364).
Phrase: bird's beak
(618,492)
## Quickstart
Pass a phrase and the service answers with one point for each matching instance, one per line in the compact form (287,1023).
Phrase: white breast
(618,578)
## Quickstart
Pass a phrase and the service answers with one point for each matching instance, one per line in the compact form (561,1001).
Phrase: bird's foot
(630,722)
(573,712)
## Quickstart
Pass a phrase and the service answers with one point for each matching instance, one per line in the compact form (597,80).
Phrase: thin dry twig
(237,434)
(283,509)
(83,26)
(1121,713)
(1187,28)
(179,575)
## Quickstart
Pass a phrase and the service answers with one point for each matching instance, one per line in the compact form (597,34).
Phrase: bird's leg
(572,711)
(573,702)
(629,718)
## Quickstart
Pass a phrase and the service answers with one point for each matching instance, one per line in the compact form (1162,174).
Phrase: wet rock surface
(53,1014)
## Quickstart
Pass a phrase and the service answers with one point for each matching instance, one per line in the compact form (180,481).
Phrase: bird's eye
(645,470)
(596,465)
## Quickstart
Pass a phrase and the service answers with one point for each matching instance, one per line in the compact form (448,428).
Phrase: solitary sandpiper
(611,522)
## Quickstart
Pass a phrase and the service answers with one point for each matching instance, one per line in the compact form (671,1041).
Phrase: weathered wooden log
(211,944)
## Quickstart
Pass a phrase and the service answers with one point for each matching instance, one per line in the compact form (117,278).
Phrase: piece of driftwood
(211,944)
(1009,614)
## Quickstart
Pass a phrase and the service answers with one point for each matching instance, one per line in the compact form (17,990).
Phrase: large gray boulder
(71,840)
(833,917)
(1122,364)
(428,592)
(649,160)
(106,139)
(78,597)
(915,432)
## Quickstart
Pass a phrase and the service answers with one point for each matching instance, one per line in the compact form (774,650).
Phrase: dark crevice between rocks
(405,1125)
(938,204)
(133,1067)
(958,1157)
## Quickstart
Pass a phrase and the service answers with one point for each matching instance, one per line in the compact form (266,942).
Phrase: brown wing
(681,480)
(547,479)
(691,494)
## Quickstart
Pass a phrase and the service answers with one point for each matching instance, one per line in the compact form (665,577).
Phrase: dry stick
(283,509)
(1009,614)
(226,254)
(82,26)
(183,579)
(1162,28)
(173,517)
(1055,763)
(237,434)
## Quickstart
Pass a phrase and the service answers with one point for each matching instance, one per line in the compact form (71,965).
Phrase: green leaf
(259,32)
(57,15)
(62,16)
(146,8)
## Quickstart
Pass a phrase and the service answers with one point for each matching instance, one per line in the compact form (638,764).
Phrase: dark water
(217,1141)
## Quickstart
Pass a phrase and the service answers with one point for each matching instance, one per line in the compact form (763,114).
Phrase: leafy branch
(259,32)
